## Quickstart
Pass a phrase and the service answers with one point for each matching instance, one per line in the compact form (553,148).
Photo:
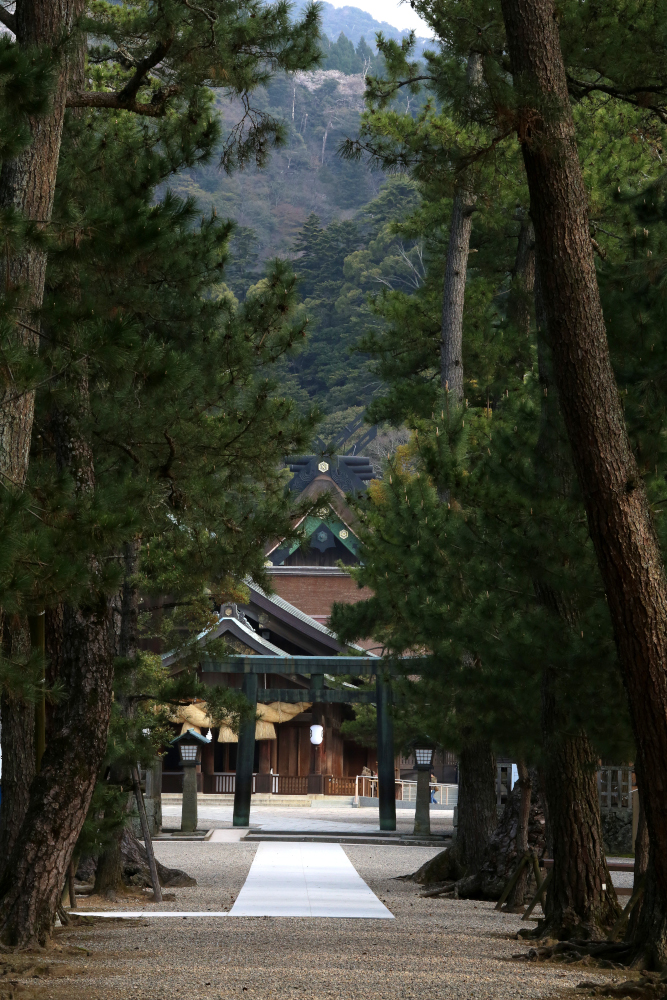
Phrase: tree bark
(635,931)
(31,885)
(17,716)
(136,868)
(517,896)
(619,517)
(577,905)
(521,298)
(521,827)
(478,813)
(27,183)
(458,250)
(477,817)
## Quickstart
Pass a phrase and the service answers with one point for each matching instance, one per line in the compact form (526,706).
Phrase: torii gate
(316,667)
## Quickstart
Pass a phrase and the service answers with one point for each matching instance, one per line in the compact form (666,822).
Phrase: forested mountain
(357,24)
(331,216)
(319,110)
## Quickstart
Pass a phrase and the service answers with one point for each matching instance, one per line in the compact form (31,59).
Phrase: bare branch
(129,91)
(638,97)
(9,20)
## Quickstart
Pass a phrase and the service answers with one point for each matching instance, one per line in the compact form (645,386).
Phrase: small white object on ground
(228,836)
(133,914)
(306,880)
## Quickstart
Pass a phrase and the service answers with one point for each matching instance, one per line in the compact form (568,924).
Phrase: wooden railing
(367,787)
(291,784)
(222,783)
(339,786)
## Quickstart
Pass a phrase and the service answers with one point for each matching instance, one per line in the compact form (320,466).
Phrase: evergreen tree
(158,419)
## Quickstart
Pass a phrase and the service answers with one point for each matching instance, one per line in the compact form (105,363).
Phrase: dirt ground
(434,948)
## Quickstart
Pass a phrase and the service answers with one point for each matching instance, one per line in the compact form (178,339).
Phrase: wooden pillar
(265,756)
(207,762)
(385,741)
(274,754)
(245,756)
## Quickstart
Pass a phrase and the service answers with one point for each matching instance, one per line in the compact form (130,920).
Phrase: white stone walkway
(306,880)
(289,880)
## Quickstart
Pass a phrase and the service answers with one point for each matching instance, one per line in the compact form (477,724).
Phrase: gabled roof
(324,530)
(232,622)
(287,612)
(350,473)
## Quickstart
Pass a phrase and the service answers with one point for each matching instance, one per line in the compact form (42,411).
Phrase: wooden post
(539,895)
(245,756)
(525,860)
(143,818)
(423,804)
(385,741)
(70,884)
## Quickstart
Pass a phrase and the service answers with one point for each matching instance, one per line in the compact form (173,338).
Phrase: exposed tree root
(602,955)
(135,870)
(447,870)
(649,985)
(444,867)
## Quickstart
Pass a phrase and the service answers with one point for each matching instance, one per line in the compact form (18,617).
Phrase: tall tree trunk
(477,810)
(636,932)
(32,883)
(521,298)
(521,827)
(27,183)
(110,870)
(617,508)
(581,901)
(458,250)
(577,904)
(17,717)
(517,896)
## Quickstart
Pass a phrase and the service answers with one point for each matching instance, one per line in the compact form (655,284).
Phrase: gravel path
(434,948)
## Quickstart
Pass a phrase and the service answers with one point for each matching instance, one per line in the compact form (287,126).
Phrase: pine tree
(146,60)
(158,421)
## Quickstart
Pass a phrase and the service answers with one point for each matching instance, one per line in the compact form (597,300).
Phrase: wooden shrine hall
(287,665)
(287,661)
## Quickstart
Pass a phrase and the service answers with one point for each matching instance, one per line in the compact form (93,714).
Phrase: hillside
(306,176)
(332,217)
(357,24)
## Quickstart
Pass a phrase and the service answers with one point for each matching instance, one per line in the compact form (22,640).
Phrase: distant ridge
(356,23)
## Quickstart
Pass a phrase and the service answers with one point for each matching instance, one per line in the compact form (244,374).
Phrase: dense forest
(333,217)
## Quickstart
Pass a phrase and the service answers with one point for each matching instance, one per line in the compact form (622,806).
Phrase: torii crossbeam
(316,667)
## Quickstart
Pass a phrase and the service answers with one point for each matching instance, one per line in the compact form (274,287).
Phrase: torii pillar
(385,740)
(245,756)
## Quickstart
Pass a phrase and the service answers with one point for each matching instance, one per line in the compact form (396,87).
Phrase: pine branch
(104,99)
(638,97)
(125,98)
